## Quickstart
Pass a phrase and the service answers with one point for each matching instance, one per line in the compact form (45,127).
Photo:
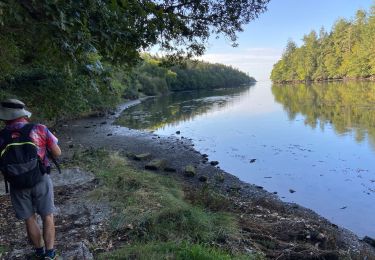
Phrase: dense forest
(347,52)
(150,78)
(65,58)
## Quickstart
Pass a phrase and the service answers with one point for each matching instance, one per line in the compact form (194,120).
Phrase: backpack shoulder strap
(25,135)
(25,132)
(6,135)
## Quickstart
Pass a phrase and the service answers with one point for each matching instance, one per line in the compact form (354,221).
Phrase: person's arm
(55,150)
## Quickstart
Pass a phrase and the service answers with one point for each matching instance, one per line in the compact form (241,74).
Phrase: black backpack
(19,160)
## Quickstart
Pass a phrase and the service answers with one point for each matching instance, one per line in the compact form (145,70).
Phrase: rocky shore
(280,230)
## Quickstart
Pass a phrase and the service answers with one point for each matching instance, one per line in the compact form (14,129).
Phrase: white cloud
(257,62)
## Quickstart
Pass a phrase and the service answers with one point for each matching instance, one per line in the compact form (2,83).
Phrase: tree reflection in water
(155,113)
(347,106)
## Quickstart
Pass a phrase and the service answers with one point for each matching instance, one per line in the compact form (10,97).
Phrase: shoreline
(267,225)
(101,132)
(345,79)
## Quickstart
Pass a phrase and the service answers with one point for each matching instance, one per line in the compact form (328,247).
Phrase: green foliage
(154,214)
(3,249)
(59,33)
(155,205)
(58,94)
(53,95)
(151,77)
(173,250)
(348,51)
(203,75)
(118,29)
(70,55)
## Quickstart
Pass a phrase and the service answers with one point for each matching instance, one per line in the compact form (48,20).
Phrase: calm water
(317,140)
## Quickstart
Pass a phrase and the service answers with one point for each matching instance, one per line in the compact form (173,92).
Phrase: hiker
(37,199)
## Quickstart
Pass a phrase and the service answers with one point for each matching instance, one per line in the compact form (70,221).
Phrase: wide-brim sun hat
(11,109)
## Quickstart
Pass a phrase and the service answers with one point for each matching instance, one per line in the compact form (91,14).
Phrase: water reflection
(312,139)
(348,107)
(155,113)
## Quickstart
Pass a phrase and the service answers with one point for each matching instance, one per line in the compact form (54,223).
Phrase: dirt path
(78,219)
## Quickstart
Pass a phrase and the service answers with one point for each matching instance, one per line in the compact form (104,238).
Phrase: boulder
(202,178)
(78,251)
(234,188)
(157,164)
(369,241)
(170,169)
(220,178)
(214,163)
(190,171)
(142,156)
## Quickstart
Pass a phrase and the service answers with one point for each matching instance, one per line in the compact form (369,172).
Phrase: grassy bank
(156,217)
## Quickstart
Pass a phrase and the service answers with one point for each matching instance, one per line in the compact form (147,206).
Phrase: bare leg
(49,231)
(33,231)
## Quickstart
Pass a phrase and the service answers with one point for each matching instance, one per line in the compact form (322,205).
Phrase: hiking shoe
(51,255)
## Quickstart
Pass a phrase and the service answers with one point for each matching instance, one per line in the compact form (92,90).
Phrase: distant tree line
(150,78)
(348,51)
(53,94)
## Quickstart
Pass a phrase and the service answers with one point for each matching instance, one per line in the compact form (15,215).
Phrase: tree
(311,45)
(357,60)
(370,39)
(321,70)
(285,70)
(78,48)
(347,51)
(117,30)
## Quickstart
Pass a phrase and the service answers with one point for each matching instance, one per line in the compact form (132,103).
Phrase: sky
(263,40)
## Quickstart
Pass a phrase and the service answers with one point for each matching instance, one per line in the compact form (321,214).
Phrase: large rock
(202,178)
(369,241)
(214,163)
(157,164)
(142,156)
(79,250)
(170,169)
(71,176)
(190,171)
(220,177)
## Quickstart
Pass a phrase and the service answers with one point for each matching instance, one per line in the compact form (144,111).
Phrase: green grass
(171,250)
(152,210)
(3,249)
